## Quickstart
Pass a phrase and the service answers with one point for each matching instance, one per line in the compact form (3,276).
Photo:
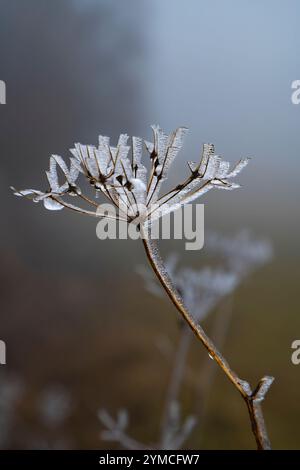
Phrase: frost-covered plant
(174,436)
(202,290)
(54,406)
(199,287)
(123,181)
(11,389)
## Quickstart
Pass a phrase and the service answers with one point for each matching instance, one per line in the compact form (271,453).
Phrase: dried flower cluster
(122,178)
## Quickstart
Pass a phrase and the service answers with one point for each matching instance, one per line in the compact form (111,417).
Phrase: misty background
(74,313)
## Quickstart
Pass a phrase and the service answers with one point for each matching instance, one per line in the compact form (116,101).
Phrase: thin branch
(86,212)
(256,414)
(87,199)
(250,397)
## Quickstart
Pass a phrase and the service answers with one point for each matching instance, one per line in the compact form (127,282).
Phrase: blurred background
(81,330)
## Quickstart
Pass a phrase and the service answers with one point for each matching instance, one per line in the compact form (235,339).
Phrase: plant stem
(176,379)
(219,333)
(254,398)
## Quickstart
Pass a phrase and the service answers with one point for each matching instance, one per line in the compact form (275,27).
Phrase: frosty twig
(254,398)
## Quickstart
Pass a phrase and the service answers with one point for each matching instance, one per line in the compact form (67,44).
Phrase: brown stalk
(253,399)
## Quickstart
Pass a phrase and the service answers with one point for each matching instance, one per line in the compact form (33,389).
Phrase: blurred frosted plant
(116,430)
(123,180)
(54,406)
(175,436)
(34,442)
(202,288)
(199,288)
(242,252)
(176,432)
(11,389)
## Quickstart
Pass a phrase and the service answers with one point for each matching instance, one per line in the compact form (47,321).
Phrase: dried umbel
(123,180)
(119,174)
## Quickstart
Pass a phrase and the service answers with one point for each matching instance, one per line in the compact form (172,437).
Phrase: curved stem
(254,398)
